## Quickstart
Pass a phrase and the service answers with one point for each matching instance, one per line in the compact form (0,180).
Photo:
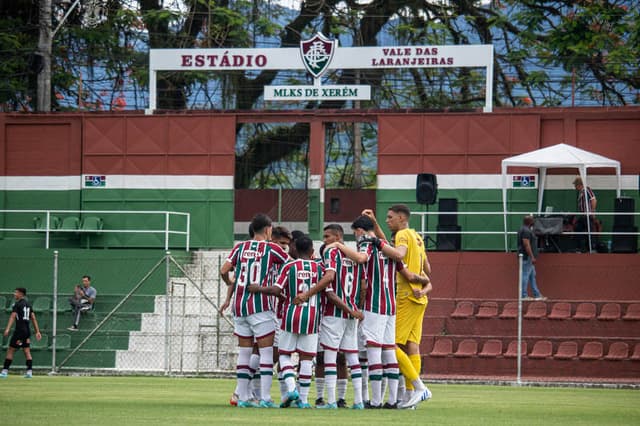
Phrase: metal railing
(425,215)
(48,229)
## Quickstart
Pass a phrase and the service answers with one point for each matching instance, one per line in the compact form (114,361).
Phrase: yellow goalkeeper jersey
(413,260)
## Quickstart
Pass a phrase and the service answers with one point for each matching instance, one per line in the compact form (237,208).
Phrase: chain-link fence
(155,313)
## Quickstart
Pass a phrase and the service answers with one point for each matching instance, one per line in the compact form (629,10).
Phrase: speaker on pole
(426,188)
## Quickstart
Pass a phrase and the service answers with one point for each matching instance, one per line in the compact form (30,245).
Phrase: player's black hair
(321,250)
(251,233)
(87,277)
(335,228)
(22,290)
(295,234)
(259,222)
(280,231)
(363,222)
(401,208)
(304,245)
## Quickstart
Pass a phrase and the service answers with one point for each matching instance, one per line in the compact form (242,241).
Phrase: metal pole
(47,230)
(166,230)
(188,229)
(279,205)
(167,340)
(218,317)
(55,311)
(519,373)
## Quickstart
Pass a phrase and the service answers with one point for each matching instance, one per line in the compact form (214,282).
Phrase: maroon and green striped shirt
(296,277)
(380,274)
(253,261)
(346,284)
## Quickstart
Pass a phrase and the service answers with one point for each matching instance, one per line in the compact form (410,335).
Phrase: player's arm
(273,290)
(339,303)
(413,277)
(227,299)
(12,318)
(426,266)
(388,250)
(376,226)
(324,282)
(356,256)
(36,327)
(225,270)
(363,293)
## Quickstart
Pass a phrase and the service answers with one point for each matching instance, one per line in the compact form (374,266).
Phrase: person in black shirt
(22,314)
(528,247)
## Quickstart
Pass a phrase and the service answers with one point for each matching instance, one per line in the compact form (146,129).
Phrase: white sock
(342,388)
(330,374)
(402,389)
(242,373)
(304,379)
(320,384)
(266,372)
(374,355)
(288,373)
(356,376)
(391,370)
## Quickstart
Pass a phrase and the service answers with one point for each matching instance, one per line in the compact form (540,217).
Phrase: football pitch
(81,400)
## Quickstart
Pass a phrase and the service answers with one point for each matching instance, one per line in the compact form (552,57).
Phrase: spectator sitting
(82,300)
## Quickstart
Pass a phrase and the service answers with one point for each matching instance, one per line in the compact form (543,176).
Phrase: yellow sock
(416,361)
(406,368)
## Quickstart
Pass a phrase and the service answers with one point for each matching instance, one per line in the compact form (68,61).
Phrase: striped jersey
(380,273)
(296,277)
(346,284)
(252,261)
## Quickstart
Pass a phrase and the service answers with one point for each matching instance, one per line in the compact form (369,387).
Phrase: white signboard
(314,60)
(310,93)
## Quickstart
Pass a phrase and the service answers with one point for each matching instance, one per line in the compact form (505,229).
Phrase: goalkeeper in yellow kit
(411,301)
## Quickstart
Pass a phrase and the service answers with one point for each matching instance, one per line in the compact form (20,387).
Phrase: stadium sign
(317,59)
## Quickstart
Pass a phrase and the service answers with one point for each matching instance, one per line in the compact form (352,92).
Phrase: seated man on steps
(83,298)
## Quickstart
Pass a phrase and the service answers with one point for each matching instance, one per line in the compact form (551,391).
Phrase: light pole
(44,51)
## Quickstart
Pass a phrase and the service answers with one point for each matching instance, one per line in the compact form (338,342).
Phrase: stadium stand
(566,350)
(560,311)
(463,310)
(487,310)
(512,349)
(536,310)
(585,311)
(610,312)
(541,349)
(592,350)
(636,353)
(442,348)
(633,312)
(510,310)
(467,348)
(617,351)
(491,349)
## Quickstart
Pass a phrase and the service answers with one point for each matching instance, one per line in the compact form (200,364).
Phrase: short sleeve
(283,277)
(233,256)
(329,261)
(402,238)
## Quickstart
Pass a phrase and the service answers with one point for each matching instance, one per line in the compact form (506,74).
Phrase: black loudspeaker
(624,243)
(426,188)
(448,242)
(448,211)
(624,205)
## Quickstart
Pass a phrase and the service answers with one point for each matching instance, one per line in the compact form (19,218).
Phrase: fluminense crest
(317,53)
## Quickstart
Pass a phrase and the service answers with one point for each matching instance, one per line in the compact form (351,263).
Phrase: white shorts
(379,330)
(339,334)
(257,325)
(304,344)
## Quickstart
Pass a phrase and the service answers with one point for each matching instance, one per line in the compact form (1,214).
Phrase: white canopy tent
(556,156)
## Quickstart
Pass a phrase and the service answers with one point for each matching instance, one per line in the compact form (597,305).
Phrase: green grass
(179,401)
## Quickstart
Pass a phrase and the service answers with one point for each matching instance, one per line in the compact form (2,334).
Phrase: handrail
(47,229)
(424,215)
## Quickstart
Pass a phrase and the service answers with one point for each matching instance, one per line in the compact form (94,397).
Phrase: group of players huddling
(342,302)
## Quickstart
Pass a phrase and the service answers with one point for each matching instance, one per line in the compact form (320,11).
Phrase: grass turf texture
(178,401)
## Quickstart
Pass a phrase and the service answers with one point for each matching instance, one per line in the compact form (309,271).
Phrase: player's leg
(330,374)
(353,362)
(306,347)
(404,323)
(389,361)
(343,379)
(373,330)
(254,372)
(28,360)
(8,359)
(320,377)
(265,331)
(242,330)
(286,346)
